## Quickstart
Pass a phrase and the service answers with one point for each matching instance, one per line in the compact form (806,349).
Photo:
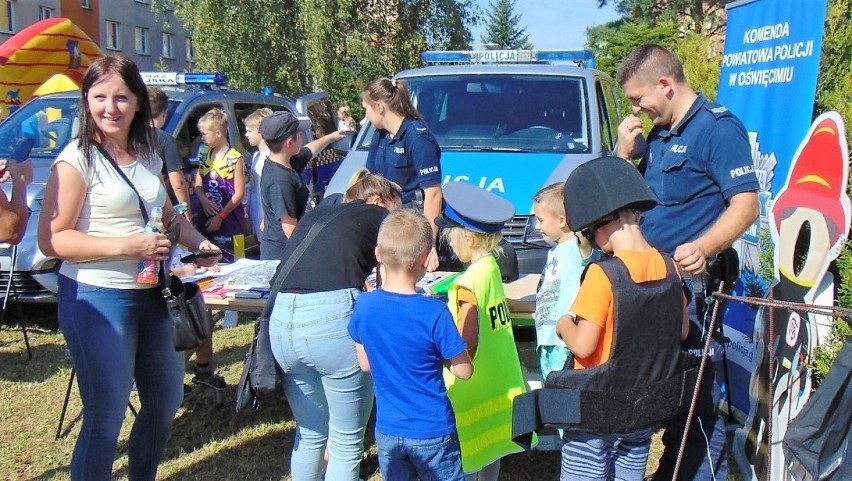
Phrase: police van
(511,122)
(52,121)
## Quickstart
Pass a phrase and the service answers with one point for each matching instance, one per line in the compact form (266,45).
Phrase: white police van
(511,122)
(51,120)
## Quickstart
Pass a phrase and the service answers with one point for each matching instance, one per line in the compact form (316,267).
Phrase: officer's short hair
(404,238)
(650,61)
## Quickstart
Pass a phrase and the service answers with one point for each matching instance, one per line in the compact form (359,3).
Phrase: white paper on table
(241,274)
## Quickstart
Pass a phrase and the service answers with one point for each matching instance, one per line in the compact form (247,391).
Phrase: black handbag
(184,302)
(262,378)
(186,307)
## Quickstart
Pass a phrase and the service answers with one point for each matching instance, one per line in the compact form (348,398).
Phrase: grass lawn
(208,441)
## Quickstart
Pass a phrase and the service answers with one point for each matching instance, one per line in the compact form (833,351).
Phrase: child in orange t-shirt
(609,219)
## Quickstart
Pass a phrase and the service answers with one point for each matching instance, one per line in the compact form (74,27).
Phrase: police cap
(602,186)
(475,209)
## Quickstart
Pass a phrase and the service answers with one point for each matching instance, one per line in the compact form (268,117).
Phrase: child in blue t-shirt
(405,339)
(560,279)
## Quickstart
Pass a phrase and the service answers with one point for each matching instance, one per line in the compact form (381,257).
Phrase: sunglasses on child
(589,232)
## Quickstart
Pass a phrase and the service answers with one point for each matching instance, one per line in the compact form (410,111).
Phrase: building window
(45,12)
(84,3)
(141,35)
(7,16)
(168,45)
(190,50)
(112,42)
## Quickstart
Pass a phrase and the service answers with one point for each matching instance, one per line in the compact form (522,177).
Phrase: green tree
(834,87)
(612,42)
(502,28)
(332,45)
(701,67)
(701,16)
(350,42)
(255,42)
(834,91)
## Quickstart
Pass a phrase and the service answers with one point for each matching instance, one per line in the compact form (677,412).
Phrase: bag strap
(167,293)
(121,173)
(284,271)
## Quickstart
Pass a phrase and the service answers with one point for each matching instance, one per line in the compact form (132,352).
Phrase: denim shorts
(428,459)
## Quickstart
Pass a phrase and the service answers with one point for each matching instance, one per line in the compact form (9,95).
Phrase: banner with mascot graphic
(768,79)
(48,56)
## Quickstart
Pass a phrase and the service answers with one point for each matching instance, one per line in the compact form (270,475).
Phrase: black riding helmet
(602,186)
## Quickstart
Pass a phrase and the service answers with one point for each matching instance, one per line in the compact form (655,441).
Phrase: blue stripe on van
(517,176)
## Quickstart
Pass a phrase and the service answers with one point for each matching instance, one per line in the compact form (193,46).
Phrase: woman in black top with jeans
(330,397)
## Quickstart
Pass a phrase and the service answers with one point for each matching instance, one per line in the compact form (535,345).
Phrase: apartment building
(155,41)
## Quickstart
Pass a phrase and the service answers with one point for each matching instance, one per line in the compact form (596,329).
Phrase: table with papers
(244,286)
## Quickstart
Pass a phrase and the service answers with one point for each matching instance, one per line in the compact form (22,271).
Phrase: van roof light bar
(204,79)
(580,57)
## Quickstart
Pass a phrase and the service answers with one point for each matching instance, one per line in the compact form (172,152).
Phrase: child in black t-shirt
(283,194)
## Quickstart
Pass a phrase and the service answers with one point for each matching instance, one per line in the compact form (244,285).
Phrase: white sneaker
(229,319)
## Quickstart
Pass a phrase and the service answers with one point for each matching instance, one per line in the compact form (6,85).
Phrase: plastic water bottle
(149,269)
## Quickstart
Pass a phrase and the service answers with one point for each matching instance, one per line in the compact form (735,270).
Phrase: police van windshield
(50,121)
(529,113)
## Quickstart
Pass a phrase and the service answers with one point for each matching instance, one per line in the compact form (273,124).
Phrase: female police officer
(403,150)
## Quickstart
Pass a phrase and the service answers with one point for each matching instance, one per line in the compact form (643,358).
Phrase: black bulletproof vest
(647,379)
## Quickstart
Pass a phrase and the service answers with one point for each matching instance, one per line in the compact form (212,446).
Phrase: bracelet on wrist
(222,215)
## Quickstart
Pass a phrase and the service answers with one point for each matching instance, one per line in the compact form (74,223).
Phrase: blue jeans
(428,459)
(600,457)
(116,336)
(705,453)
(330,397)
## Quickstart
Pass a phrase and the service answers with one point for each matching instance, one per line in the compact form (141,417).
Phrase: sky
(553,24)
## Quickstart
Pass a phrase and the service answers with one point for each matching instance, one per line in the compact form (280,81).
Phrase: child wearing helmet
(626,322)
(472,221)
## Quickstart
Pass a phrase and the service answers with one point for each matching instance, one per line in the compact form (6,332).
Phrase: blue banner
(768,79)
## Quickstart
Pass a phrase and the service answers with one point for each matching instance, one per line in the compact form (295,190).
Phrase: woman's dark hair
(394,93)
(141,141)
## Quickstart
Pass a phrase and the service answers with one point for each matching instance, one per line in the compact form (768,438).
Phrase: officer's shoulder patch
(719,111)
(420,127)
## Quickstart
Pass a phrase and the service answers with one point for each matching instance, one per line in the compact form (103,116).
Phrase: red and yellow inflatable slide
(48,56)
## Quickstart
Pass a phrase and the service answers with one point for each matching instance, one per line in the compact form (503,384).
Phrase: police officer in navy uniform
(698,164)
(403,150)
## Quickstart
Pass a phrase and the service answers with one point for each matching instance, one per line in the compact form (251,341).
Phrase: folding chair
(68,397)
(10,291)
